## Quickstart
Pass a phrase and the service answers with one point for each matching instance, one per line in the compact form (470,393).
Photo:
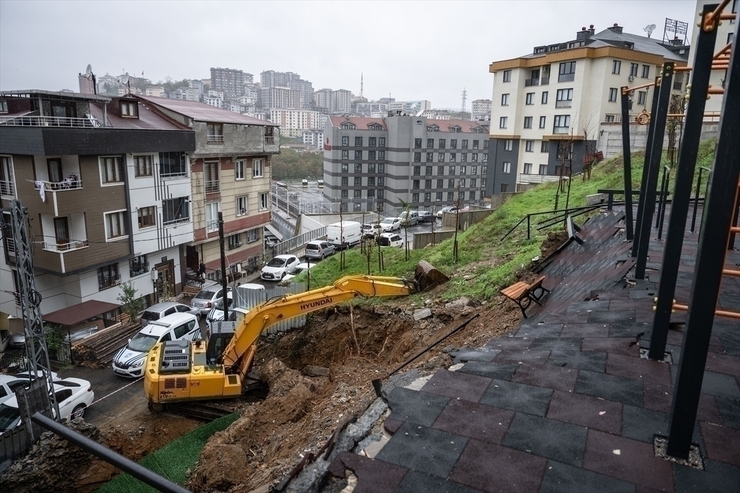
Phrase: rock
(316,371)
(222,467)
(422,314)
(460,303)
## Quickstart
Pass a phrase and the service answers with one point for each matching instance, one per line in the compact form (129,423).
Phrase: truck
(344,234)
(186,371)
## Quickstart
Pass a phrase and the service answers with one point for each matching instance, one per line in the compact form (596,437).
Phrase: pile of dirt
(301,412)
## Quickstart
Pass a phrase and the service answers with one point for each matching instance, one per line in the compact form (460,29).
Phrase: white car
(73,396)
(448,208)
(390,224)
(217,312)
(155,312)
(8,384)
(277,268)
(302,267)
(129,360)
(207,297)
(390,239)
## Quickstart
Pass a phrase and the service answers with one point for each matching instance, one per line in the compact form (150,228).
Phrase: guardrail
(559,216)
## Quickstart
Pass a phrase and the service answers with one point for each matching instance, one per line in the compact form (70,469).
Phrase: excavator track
(197,410)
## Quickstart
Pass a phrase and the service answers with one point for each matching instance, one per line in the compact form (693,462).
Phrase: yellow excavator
(183,371)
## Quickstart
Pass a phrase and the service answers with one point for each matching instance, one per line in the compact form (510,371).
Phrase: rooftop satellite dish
(649,29)
(88,70)
(124,79)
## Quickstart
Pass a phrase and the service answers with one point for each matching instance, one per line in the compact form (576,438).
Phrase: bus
(304,182)
(320,183)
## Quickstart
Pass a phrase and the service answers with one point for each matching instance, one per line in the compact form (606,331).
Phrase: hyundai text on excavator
(182,371)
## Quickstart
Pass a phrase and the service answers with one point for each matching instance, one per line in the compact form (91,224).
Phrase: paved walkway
(566,403)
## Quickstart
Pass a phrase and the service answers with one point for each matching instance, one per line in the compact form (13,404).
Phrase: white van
(129,361)
(350,230)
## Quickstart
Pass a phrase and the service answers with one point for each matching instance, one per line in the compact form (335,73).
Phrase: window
(440,170)
(147,217)
(438,197)
(507,75)
(417,143)
(371,167)
(371,181)
(357,181)
(476,144)
(241,206)
(442,143)
(646,71)
(173,164)
(504,187)
(175,210)
(358,155)
(562,123)
(345,168)
(529,146)
(544,147)
(416,170)
(215,133)
(430,143)
(450,183)
(371,193)
(485,158)
(415,197)
(115,225)
(527,122)
(567,72)
(210,177)
(633,69)
(54,167)
(212,216)
(508,145)
(564,98)
(358,167)
(235,241)
(452,170)
(544,97)
(345,140)
(381,182)
(453,143)
(543,121)
(138,265)
(441,157)
(357,194)
(527,168)
(381,168)
(358,141)
(503,121)
(372,141)
(253,235)
(240,169)
(142,166)
(427,197)
(430,157)
(129,109)
(428,170)
(616,66)
(108,276)
(475,157)
(345,154)
(345,181)
(381,155)
(612,94)
(610,118)
(543,169)
(264,201)
(450,196)
(111,170)
(440,183)
(427,184)
(3,106)
(641,97)
(464,157)
(506,168)
(381,141)
(463,170)
(417,157)
(529,98)
(453,157)
(258,168)
(473,182)
(464,143)
(505,99)
(416,184)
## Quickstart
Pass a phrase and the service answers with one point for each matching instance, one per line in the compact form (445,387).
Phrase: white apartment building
(411,107)
(293,122)
(547,106)
(481,110)
(313,138)
(157,91)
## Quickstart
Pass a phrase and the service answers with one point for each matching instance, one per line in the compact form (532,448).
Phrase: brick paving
(565,403)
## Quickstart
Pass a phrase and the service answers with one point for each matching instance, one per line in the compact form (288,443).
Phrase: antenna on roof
(649,29)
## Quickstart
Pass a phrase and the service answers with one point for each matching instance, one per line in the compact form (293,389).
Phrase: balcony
(566,77)
(7,188)
(212,186)
(564,104)
(561,130)
(214,139)
(544,81)
(270,140)
(50,121)
(72,245)
(72,182)
(531,82)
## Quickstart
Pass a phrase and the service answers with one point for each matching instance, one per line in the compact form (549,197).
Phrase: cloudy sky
(406,49)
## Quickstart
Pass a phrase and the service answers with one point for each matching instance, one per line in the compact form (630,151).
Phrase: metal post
(664,200)
(224,277)
(656,152)
(528,225)
(661,198)
(682,195)
(646,167)
(627,158)
(696,198)
(719,211)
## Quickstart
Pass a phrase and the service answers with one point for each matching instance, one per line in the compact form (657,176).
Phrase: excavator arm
(240,351)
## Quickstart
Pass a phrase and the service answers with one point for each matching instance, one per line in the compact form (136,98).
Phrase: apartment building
(381,163)
(230,173)
(229,81)
(292,123)
(548,106)
(106,183)
(481,110)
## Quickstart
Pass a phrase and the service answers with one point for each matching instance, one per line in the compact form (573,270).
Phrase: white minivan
(344,234)
(129,361)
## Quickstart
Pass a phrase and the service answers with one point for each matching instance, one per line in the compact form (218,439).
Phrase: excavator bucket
(427,276)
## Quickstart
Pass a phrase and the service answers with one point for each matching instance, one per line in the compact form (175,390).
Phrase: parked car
(344,234)
(129,360)
(206,298)
(155,312)
(18,340)
(40,372)
(217,312)
(370,231)
(390,224)
(278,267)
(302,267)
(425,216)
(390,239)
(8,384)
(409,218)
(448,208)
(73,396)
(318,249)
(4,340)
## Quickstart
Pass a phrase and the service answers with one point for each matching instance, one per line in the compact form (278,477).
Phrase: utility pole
(224,279)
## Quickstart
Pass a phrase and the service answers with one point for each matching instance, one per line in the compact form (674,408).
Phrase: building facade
(107,186)
(229,81)
(292,123)
(547,107)
(481,110)
(373,164)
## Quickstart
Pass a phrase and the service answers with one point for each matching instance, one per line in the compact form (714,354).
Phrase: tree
(293,165)
(131,305)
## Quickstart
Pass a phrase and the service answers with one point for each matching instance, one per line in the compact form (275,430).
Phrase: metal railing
(564,103)
(55,186)
(214,139)
(49,121)
(53,246)
(7,188)
(531,82)
(561,130)
(558,216)
(212,186)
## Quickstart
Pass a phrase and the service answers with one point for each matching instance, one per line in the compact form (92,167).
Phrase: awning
(273,231)
(72,315)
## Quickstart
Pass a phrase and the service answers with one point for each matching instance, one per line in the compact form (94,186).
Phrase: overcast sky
(406,49)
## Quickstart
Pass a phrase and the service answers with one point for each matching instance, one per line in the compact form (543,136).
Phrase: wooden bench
(523,294)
